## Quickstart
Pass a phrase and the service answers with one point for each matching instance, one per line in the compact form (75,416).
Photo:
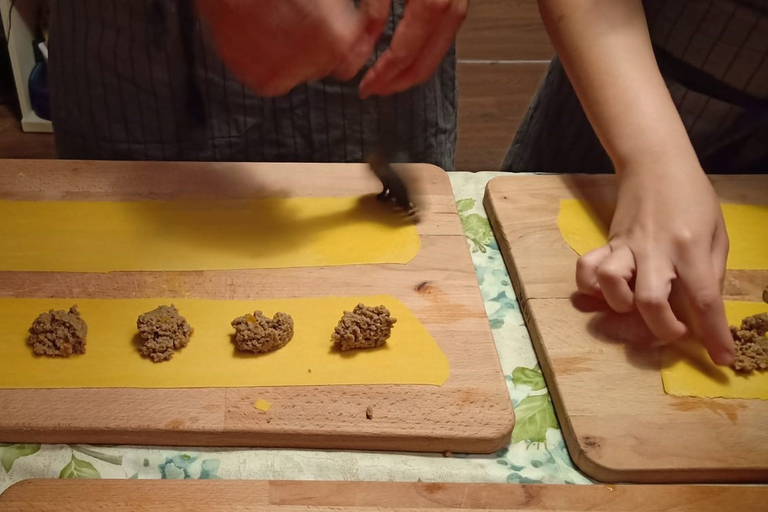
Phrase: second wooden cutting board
(470,413)
(618,423)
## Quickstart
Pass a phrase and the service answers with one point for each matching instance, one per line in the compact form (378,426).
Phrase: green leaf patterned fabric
(10,452)
(79,469)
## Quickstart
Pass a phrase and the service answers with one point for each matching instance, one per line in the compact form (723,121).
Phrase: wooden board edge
(579,450)
(575,449)
(501,239)
(656,476)
(52,494)
(487,441)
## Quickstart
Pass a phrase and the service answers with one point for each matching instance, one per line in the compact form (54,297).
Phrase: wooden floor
(16,144)
(503,53)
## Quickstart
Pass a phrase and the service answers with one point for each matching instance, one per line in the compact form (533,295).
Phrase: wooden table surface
(214,495)
(470,413)
(618,423)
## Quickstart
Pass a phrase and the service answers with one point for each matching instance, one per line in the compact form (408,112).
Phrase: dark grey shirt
(140,79)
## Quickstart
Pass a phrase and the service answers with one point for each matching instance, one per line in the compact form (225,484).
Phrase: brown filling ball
(751,344)
(258,333)
(364,327)
(58,333)
(163,331)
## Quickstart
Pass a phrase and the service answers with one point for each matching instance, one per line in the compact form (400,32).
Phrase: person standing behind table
(614,58)
(147,79)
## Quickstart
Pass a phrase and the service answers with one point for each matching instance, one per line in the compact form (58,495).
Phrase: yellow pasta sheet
(70,236)
(411,356)
(747,228)
(688,371)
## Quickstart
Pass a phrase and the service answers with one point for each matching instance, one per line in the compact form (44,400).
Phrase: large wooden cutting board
(214,495)
(618,423)
(470,413)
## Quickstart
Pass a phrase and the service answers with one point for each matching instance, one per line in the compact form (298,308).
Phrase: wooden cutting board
(213,495)
(470,413)
(618,423)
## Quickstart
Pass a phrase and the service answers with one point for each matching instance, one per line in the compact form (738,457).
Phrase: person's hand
(375,15)
(667,240)
(419,43)
(274,45)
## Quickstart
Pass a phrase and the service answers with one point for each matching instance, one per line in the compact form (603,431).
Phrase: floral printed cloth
(536,454)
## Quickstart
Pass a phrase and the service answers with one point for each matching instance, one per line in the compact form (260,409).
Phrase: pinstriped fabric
(128,81)
(727,39)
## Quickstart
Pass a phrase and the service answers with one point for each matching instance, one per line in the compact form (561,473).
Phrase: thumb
(344,23)
(375,14)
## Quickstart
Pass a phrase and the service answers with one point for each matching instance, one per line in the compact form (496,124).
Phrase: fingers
(375,15)
(614,276)
(699,280)
(586,271)
(608,273)
(409,38)
(296,40)
(424,35)
(426,62)
(653,284)
(720,248)
(341,28)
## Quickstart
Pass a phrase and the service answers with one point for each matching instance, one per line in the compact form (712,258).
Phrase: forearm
(606,51)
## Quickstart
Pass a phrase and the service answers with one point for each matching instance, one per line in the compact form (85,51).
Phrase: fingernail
(723,357)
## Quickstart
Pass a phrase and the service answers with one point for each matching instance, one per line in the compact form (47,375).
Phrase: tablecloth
(536,453)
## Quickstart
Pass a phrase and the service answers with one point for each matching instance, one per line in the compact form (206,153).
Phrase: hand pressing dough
(687,370)
(364,327)
(163,331)
(58,333)
(258,334)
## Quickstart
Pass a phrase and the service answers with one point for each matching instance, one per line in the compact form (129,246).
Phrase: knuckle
(684,239)
(706,301)
(650,300)
(623,307)
(436,6)
(608,273)
(585,265)
(668,333)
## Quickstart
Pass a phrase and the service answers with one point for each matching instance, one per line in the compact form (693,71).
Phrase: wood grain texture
(618,423)
(470,413)
(215,495)
(493,99)
(503,30)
